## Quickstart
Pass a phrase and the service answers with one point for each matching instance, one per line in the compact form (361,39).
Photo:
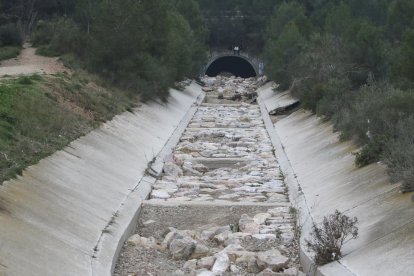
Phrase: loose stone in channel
(225,156)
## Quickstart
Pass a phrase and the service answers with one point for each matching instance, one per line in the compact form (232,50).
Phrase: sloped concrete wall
(322,177)
(67,214)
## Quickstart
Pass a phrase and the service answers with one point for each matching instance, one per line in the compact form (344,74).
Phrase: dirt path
(28,63)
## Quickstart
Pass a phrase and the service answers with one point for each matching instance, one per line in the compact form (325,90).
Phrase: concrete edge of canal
(68,214)
(320,173)
(111,245)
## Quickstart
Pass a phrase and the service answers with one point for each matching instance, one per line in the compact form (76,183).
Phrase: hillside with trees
(141,46)
(352,63)
(120,52)
(237,23)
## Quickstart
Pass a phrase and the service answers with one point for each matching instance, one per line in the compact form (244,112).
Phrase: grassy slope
(39,115)
(9,52)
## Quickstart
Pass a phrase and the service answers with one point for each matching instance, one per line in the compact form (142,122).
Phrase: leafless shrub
(328,238)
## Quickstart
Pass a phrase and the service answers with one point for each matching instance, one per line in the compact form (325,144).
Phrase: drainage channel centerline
(221,205)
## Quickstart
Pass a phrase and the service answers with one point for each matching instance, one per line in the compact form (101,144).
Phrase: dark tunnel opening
(235,65)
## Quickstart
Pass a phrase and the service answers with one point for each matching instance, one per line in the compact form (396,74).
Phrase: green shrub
(328,238)
(57,37)
(9,52)
(324,58)
(47,51)
(399,154)
(370,153)
(377,108)
(10,35)
(25,80)
(43,33)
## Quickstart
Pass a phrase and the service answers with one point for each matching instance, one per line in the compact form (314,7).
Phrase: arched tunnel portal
(238,66)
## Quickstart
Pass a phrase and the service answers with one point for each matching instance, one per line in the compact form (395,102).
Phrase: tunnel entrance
(236,65)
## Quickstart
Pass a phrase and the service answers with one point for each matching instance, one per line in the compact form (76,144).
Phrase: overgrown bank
(352,63)
(41,114)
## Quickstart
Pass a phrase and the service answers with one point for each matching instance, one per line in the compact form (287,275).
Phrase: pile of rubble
(225,154)
(224,158)
(260,245)
(233,88)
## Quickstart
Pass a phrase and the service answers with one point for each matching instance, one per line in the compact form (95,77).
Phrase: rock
(220,238)
(222,263)
(234,255)
(171,169)
(167,240)
(272,259)
(188,169)
(206,262)
(261,218)
(162,194)
(247,225)
(249,261)
(137,240)
(268,272)
(200,168)
(222,229)
(300,273)
(293,271)
(179,159)
(148,222)
(235,238)
(207,235)
(234,269)
(278,211)
(151,242)
(134,240)
(178,273)
(181,247)
(248,189)
(267,230)
(233,247)
(205,273)
(262,237)
(169,187)
(207,89)
(200,251)
(190,265)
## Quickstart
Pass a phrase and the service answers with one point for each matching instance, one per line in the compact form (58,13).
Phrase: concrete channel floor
(222,191)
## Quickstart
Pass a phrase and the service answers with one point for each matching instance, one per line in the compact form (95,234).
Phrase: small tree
(328,238)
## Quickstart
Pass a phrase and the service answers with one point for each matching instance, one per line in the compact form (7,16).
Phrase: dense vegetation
(39,115)
(141,46)
(135,50)
(352,62)
(237,23)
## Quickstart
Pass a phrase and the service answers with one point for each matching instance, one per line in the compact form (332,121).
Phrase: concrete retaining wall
(69,214)
(321,176)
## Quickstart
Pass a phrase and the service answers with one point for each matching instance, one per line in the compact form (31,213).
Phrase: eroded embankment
(321,176)
(221,206)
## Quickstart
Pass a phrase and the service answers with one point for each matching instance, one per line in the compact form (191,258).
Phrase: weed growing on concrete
(298,227)
(328,238)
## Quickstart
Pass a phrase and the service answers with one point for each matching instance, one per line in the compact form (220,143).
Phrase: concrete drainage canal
(221,205)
